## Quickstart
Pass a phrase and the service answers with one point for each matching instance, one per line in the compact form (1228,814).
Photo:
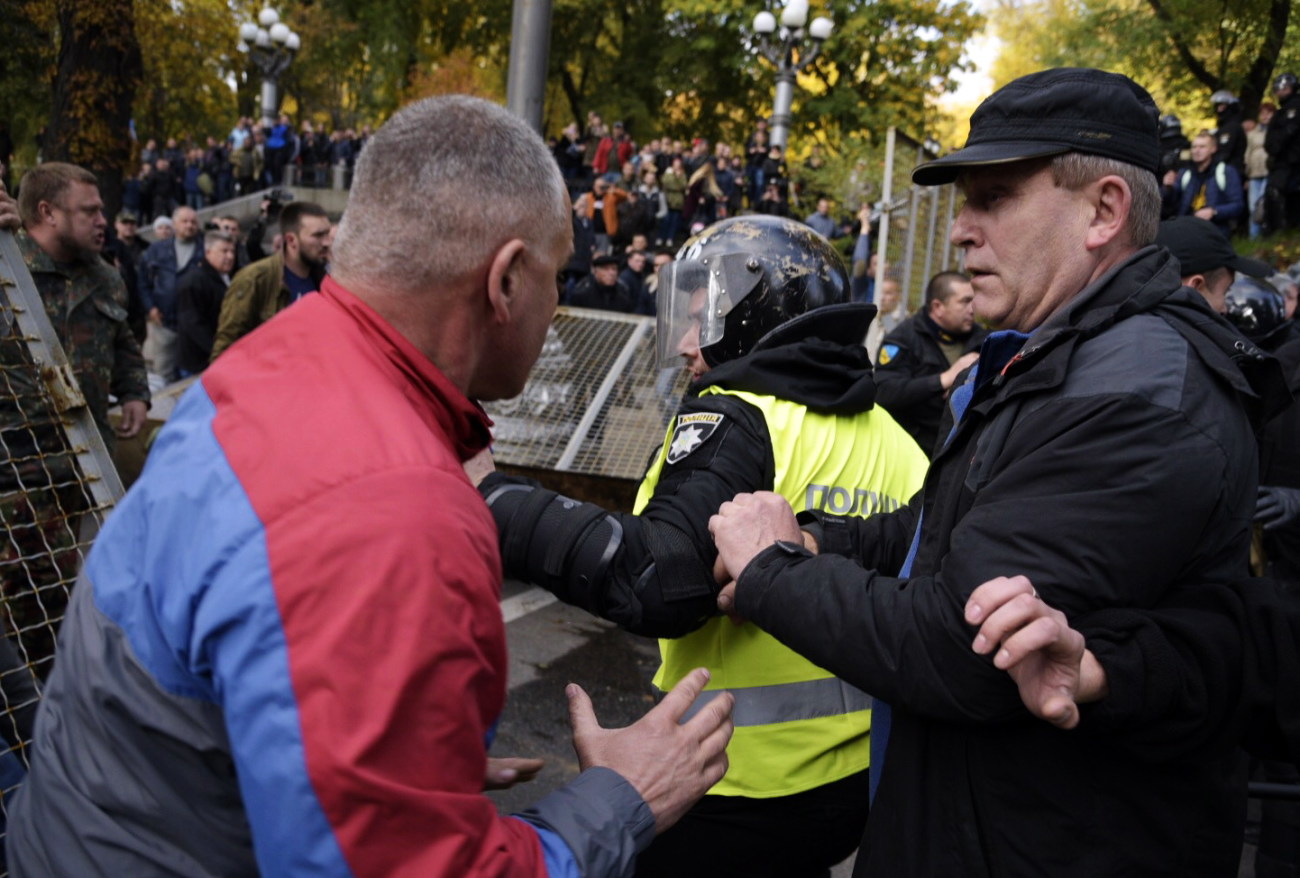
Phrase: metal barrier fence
(915,221)
(595,403)
(57,484)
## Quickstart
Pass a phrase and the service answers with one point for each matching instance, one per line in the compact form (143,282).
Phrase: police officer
(1282,143)
(1229,135)
(782,401)
(920,360)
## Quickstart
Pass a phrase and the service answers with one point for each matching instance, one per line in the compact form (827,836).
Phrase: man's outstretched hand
(670,763)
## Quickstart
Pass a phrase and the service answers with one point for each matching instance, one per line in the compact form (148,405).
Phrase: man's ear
(1112,200)
(505,278)
(1196,282)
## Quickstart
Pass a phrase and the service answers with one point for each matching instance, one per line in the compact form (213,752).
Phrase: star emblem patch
(690,433)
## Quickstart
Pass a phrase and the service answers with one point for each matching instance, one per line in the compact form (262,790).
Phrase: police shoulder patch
(691,432)
(887,353)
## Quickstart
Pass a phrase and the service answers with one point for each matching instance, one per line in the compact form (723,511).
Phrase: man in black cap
(1103,448)
(603,289)
(1208,264)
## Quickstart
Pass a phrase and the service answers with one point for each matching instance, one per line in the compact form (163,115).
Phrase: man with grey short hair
(285,654)
(1103,448)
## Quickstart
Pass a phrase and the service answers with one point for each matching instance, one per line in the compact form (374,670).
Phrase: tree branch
(1193,64)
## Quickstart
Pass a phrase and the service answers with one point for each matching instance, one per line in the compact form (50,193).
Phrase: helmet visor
(694,298)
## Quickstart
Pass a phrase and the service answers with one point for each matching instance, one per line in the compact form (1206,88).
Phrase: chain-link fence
(57,483)
(914,221)
(595,403)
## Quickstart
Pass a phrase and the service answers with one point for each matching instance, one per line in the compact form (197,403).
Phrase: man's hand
(480,466)
(743,527)
(8,210)
(964,362)
(1276,506)
(507,771)
(670,763)
(1206,213)
(1037,647)
(132,419)
(155,316)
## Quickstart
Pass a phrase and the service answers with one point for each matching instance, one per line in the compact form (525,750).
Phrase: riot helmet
(1255,307)
(1171,127)
(1223,96)
(1285,80)
(739,280)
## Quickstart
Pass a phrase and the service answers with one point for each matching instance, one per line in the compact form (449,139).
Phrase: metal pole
(913,210)
(530,45)
(887,198)
(269,102)
(785,81)
(930,233)
(947,232)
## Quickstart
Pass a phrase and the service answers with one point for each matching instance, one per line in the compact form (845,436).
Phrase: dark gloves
(1276,506)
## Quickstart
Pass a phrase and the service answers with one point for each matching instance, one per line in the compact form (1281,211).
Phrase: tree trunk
(98,70)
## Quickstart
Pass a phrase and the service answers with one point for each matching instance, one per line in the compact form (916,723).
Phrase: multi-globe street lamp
(780,47)
(271,45)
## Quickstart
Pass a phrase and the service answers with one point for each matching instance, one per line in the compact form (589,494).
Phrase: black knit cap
(1066,109)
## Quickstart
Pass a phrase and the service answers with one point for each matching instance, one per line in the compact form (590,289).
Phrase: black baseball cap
(604,259)
(1199,246)
(1066,109)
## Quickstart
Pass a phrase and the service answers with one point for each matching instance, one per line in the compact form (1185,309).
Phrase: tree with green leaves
(1181,50)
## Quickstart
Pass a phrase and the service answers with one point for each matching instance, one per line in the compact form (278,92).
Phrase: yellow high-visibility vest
(797,727)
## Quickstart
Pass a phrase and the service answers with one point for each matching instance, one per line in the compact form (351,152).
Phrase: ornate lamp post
(271,45)
(779,47)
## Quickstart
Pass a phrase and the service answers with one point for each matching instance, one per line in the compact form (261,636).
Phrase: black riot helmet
(1171,127)
(1285,80)
(741,279)
(1255,307)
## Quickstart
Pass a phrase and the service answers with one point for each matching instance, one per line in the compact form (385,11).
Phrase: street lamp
(778,46)
(271,45)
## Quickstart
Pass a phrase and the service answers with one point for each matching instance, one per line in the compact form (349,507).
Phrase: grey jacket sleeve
(601,817)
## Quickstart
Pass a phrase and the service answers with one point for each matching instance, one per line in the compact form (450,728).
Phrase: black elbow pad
(564,545)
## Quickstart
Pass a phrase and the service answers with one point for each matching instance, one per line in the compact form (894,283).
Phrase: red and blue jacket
(286,652)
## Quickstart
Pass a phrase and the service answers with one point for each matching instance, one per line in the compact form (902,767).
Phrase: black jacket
(907,376)
(198,309)
(1282,143)
(659,579)
(589,294)
(1279,458)
(1113,462)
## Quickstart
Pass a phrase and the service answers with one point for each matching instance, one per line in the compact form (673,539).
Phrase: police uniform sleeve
(899,385)
(651,573)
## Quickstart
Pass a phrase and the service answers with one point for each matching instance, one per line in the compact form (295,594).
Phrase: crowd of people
(251,158)
(1025,508)
(1244,175)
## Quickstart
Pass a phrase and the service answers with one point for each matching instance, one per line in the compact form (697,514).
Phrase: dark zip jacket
(1112,461)
(907,376)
